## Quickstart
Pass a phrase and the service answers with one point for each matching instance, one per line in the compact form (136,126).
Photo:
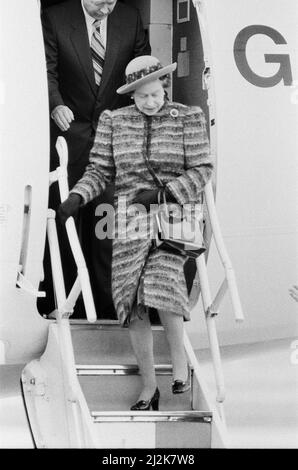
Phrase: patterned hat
(142,70)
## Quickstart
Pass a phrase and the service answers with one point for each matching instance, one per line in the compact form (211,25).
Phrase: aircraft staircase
(84,399)
(111,386)
(78,394)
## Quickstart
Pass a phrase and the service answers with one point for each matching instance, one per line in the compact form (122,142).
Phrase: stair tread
(89,359)
(102,343)
(117,392)
(92,368)
(149,416)
(178,413)
(83,323)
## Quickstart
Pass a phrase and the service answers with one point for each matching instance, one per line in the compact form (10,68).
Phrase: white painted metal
(23,283)
(156,429)
(52,390)
(24,160)
(73,296)
(57,273)
(222,251)
(74,404)
(83,274)
(138,435)
(219,434)
(211,328)
(68,366)
(257,168)
(208,85)
(208,79)
(152,416)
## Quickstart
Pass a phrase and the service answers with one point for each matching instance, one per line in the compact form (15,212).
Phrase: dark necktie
(97,52)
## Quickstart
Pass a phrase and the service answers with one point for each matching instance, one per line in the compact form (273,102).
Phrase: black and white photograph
(148,228)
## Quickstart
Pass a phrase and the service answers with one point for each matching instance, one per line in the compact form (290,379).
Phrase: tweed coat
(176,143)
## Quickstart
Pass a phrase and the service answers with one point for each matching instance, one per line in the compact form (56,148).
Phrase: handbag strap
(163,195)
(157,180)
(160,185)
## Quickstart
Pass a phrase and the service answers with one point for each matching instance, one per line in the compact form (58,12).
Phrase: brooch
(174,113)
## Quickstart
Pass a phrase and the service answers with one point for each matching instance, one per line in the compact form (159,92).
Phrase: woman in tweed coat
(173,138)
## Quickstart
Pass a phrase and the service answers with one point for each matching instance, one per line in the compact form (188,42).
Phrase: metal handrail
(220,245)
(83,275)
(218,414)
(211,307)
(68,369)
(76,408)
(211,329)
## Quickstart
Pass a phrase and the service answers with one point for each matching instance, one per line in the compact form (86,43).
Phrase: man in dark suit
(77,95)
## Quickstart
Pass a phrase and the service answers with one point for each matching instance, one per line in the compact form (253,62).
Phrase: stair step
(119,369)
(108,343)
(152,416)
(153,429)
(116,388)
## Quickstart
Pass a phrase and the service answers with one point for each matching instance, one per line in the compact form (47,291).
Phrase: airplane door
(24,150)
(188,53)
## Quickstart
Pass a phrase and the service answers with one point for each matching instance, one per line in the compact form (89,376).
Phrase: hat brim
(148,78)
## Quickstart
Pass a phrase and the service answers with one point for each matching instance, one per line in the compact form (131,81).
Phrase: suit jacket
(71,76)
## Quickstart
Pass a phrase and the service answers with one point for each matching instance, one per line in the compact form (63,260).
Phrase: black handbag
(179,228)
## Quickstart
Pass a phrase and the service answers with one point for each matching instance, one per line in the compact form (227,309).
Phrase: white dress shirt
(89,23)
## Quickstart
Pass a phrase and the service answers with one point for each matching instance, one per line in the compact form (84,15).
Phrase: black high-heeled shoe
(178,386)
(145,405)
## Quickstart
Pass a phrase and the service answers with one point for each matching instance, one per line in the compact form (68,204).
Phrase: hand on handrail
(69,207)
